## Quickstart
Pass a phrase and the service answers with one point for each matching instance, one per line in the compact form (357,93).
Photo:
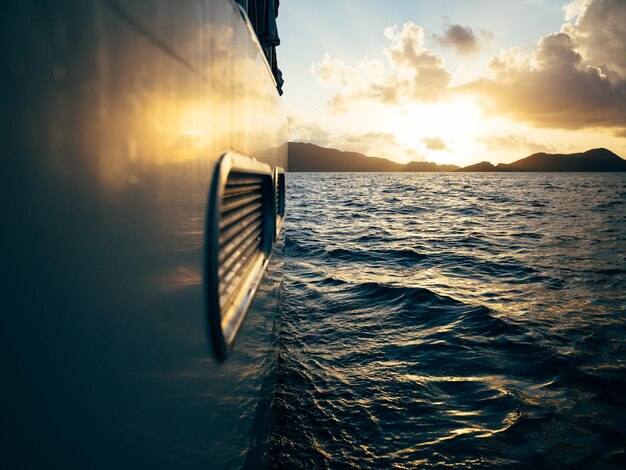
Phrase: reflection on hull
(115,115)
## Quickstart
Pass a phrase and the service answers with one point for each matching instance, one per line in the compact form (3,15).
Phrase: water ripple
(453,320)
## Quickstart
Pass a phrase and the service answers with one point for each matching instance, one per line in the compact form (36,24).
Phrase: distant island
(599,159)
(311,157)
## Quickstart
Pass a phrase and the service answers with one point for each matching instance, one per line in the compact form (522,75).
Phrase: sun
(460,119)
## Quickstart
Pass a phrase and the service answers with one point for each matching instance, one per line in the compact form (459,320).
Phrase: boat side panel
(112,125)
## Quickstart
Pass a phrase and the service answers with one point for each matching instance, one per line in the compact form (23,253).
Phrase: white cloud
(334,72)
(412,72)
(306,131)
(418,72)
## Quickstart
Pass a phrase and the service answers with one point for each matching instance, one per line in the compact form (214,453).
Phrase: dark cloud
(458,37)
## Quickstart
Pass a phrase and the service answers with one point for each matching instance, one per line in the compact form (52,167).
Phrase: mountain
(599,159)
(484,167)
(428,167)
(311,157)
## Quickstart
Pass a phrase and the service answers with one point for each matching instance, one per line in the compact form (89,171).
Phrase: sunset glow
(454,82)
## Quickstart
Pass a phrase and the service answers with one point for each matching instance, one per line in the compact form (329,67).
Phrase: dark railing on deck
(262,15)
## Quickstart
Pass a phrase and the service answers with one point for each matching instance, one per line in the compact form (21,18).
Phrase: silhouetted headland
(599,159)
(310,157)
(484,167)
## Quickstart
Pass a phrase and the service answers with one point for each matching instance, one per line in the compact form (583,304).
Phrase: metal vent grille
(280,198)
(240,236)
(240,231)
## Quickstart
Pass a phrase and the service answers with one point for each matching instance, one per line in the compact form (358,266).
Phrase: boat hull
(115,117)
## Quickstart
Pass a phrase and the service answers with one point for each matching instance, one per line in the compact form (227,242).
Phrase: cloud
(335,72)
(412,73)
(514,142)
(599,28)
(376,144)
(460,38)
(419,73)
(574,8)
(575,78)
(379,144)
(382,144)
(306,131)
(620,133)
(555,86)
(371,138)
(434,143)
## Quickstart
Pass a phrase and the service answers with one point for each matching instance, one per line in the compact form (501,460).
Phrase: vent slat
(239,240)
(233,278)
(242,189)
(238,226)
(229,219)
(230,281)
(235,179)
(236,202)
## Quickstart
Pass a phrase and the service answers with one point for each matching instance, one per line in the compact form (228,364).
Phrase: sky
(454,81)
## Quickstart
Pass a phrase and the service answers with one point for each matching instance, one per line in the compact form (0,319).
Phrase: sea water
(453,319)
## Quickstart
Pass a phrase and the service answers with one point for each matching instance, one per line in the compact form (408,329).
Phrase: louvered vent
(280,198)
(240,229)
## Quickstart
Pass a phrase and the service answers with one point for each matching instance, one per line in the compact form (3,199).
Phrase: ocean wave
(404,256)
(436,321)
